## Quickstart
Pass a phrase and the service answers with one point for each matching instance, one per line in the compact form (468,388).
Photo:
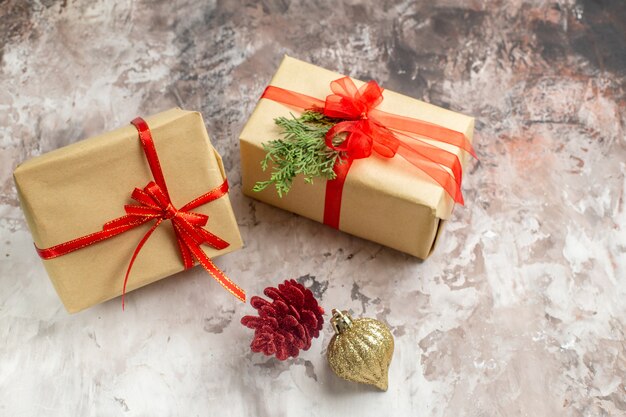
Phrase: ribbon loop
(350,103)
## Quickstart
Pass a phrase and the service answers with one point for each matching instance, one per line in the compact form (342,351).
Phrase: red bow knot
(188,226)
(351,103)
(364,133)
(155,204)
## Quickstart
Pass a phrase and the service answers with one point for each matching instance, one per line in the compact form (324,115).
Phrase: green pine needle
(301,150)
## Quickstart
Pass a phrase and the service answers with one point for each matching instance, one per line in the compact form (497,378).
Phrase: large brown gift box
(385,200)
(73,191)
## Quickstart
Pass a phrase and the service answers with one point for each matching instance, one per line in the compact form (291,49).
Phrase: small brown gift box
(73,191)
(385,200)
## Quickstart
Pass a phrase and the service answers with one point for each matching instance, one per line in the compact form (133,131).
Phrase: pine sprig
(301,150)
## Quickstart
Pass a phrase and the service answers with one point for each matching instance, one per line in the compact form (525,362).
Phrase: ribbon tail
(199,235)
(212,240)
(132,259)
(184,250)
(210,267)
(422,128)
(334,192)
(433,169)
(435,154)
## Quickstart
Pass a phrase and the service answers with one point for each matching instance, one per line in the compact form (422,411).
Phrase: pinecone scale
(288,323)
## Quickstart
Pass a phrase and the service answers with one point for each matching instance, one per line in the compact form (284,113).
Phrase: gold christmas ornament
(360,350)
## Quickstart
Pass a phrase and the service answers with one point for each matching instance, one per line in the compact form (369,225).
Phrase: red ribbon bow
(155,204)
(354,107)
(370,130)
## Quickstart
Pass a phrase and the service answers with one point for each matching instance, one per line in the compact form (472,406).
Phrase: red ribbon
(373,131)
(155,204)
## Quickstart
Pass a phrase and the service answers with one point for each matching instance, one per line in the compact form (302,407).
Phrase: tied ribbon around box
(372,131)
(155,204)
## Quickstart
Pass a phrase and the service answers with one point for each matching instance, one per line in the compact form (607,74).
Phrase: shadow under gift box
(73,191)
(386,200)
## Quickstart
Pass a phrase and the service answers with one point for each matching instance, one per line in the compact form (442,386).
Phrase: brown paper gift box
(387,201)
(73,191)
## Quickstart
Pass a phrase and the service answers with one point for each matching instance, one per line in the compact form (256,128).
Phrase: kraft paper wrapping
(388,201)
(73,191)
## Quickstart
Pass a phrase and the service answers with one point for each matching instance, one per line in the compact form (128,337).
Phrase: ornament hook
(340,321)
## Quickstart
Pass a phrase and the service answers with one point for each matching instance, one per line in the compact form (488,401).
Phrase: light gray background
(519,312)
